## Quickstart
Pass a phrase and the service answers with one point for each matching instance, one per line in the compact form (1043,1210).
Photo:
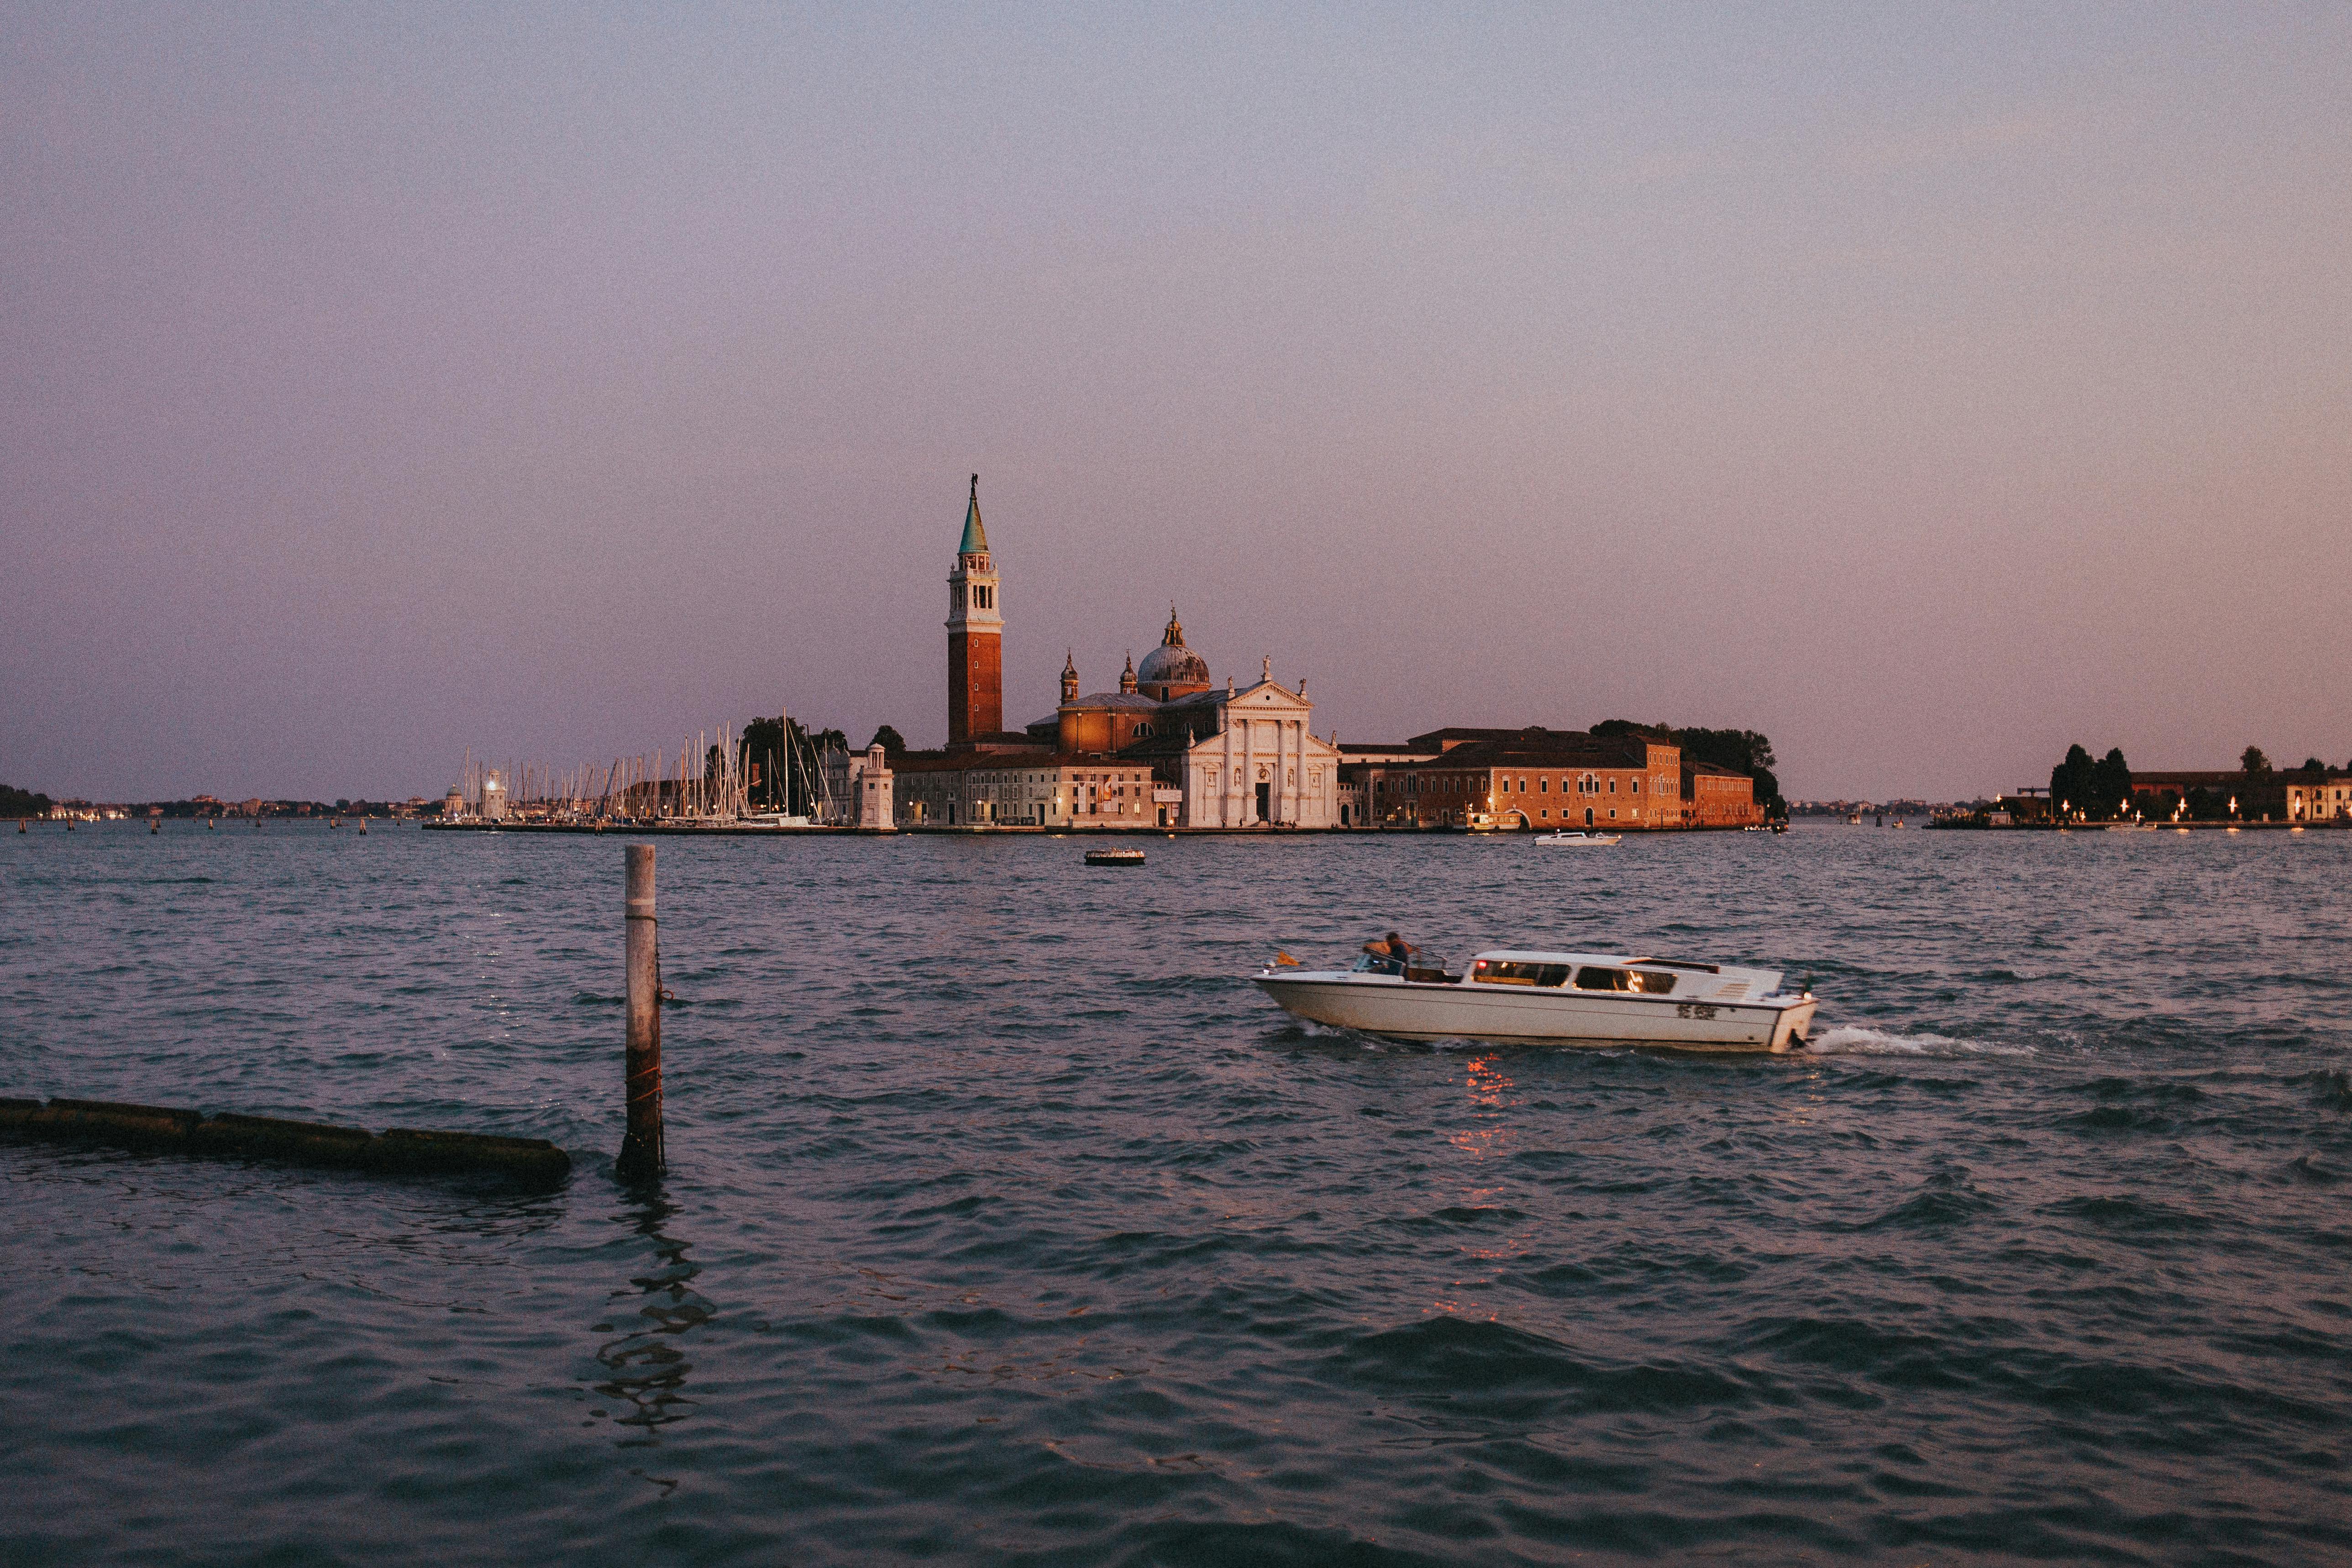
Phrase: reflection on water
(1491,1093)
(649,1364)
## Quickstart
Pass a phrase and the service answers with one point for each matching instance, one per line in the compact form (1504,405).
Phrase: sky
(1927,387)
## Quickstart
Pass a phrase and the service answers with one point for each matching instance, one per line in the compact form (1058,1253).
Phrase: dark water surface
(1008,1224)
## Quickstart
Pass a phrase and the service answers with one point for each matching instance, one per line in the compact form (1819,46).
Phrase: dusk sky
(1927,387)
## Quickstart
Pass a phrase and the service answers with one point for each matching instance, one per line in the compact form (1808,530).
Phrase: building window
(1543,787)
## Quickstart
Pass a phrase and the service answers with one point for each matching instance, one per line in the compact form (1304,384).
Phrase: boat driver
(1392,952)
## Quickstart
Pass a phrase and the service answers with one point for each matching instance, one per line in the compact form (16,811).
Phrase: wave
(1858,1039)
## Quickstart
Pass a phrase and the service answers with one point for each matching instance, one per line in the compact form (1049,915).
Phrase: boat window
(1511,972)
(1592,978)
(1655,985)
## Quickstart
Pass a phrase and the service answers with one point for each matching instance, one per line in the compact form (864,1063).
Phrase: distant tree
(2208,805)
(2312,764)
(2252,761)
(2111,789)
(829,740)
(15,803)
(2072,781)
(889,740)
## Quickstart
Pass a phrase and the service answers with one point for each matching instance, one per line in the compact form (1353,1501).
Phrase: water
(1007,1225)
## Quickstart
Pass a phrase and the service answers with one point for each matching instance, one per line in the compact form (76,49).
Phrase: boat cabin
(1619,972)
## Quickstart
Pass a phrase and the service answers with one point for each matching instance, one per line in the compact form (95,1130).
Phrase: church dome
(1172,668)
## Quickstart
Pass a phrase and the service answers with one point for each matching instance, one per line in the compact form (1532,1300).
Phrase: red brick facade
(1717,797)
(975,684)
(1542,779)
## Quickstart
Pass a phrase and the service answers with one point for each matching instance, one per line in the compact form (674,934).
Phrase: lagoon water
(1007,1224)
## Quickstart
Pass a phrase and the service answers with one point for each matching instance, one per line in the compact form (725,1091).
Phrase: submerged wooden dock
(398,1151)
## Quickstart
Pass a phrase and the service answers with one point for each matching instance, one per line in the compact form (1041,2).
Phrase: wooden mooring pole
(641,1150)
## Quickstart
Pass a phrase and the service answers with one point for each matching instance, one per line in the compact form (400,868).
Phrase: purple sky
(1926,387)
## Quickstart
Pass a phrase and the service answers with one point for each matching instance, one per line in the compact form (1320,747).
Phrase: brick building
(1540,779)
(1718,796)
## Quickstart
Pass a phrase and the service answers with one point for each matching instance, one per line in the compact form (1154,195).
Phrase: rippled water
(1006,1223)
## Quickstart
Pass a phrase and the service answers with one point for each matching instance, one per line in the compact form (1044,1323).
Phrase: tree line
(15,803)
(2100,791)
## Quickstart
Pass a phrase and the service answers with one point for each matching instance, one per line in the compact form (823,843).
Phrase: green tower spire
(975,538)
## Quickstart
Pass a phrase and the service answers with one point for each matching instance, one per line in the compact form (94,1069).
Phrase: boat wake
(1855,1040)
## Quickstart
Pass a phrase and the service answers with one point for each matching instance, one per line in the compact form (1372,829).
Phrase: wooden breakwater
(399,1151)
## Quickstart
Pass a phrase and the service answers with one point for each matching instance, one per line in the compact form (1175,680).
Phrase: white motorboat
(1554,998)
(1578,839)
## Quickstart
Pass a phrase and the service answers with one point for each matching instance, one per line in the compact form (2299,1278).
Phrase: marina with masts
(715,783)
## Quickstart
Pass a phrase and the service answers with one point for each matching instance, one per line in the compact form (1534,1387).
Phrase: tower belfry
(975,635)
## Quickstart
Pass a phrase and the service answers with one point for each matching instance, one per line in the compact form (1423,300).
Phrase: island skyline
(1928,395)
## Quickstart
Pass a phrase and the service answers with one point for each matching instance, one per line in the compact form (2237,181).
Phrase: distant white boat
(1578,839)
(1554,998)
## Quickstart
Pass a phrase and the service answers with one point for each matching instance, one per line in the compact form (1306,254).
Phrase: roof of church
(975,538)
(1215,697)
(1114,699)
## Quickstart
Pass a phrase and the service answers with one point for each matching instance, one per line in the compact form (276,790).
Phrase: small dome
(1172,663)
(1178,666)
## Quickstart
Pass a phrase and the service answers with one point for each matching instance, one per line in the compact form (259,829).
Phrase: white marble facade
(1261,764)
(858,789)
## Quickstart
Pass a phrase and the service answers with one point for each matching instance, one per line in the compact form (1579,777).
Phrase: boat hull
(1405,1009)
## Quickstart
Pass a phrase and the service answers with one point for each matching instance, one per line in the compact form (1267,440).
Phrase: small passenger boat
(1554,998)
(1114,857)
(1577,839)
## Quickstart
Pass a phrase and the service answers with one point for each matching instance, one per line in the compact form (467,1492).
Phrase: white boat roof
(1757,980)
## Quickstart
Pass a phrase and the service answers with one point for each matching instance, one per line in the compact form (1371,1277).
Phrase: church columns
(1225,774)
(1283,810)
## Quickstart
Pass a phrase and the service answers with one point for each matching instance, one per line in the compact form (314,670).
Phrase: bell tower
(975,635)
